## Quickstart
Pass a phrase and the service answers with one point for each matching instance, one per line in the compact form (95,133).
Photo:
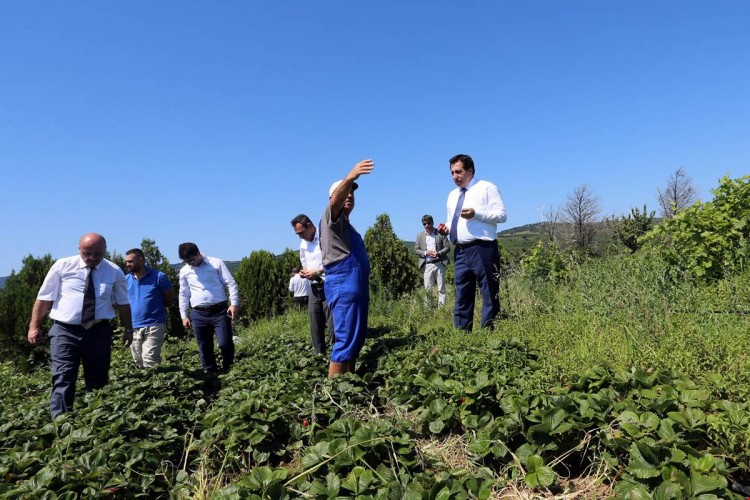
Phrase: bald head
(92,247)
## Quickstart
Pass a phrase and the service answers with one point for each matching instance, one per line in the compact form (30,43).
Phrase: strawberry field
(430,414)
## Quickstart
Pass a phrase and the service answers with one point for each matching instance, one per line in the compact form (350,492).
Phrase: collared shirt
(311,257)
(66,280)
(206,284)
(489,211)
(429,239)
(146,297)
(299,286)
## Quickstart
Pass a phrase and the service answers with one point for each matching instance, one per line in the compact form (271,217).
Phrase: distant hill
(2,281)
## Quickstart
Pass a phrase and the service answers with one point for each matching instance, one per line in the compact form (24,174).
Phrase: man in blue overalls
(347,269)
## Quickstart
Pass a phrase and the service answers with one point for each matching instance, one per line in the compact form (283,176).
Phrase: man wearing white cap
(347,271)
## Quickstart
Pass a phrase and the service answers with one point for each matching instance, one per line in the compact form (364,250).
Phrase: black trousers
(320,319)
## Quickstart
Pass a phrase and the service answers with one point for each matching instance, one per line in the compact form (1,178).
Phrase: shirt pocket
(105,290)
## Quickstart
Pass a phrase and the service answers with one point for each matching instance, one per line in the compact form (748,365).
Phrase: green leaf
(538,474)
(437,426)
(700,483)
(702,464)
(639,467)
(333,485)
(668,491)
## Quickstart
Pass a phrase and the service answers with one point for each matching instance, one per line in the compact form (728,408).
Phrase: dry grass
(584,488)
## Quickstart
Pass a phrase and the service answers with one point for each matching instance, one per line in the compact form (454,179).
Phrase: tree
(16,300)
(392,269)
(581,211)
(551,222)
(628,230)
(262,284)
(678,194)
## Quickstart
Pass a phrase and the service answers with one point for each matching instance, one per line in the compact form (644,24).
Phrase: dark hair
(136,251)
(295,270)
(187,250)
(427,218)
(465,159)
(301,219)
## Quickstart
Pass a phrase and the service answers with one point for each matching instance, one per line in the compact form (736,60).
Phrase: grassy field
(615,382)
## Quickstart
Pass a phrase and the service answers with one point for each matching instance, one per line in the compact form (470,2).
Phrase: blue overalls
(347,289)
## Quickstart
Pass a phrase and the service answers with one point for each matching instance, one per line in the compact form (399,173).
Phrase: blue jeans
(71,346)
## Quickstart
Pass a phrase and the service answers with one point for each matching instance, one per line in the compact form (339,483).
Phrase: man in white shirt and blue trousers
(475,208)
(80,293)
(204,307)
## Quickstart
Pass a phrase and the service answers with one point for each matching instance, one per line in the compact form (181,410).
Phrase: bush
(16,300)
(262,284)
(545,262)
(708,241)
(393,272)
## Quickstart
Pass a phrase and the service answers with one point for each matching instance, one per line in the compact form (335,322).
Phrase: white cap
(336,184)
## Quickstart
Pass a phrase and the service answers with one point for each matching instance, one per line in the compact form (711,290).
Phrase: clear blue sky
(217,122)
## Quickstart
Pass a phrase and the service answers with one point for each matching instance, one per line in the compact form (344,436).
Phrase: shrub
(262,284)
(393,272)
(708,240)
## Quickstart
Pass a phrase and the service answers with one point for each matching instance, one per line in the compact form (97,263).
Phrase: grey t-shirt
(334,237)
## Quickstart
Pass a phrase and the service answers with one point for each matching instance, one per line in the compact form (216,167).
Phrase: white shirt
(66,280)
(489,211)
(206,285)
(299,286)
(429,240)
(311,257)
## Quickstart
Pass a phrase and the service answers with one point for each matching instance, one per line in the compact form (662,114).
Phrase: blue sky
(217,122)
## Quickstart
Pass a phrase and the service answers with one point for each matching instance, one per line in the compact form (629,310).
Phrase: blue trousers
(347,289)
(71,346)
(478,264)
(205,326)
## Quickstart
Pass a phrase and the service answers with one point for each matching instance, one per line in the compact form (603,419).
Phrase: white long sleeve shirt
(311,258)
(206,285)
(489,211)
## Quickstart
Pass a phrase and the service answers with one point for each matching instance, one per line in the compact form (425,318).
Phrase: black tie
(454,223)
(88,313)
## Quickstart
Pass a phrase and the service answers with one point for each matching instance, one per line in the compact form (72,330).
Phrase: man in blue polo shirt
(150,292)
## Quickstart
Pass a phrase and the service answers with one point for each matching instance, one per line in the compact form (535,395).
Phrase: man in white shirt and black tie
(475,208)
(204,282)
(80,293)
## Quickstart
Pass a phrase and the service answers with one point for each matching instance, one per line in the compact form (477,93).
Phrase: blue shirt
(146,297)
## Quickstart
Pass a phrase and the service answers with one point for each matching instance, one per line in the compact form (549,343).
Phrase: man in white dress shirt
(311,259)
(80,293)
(475,208)
(204,282)
(300,288)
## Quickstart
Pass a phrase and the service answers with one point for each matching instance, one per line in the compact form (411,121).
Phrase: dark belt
(79,325)
(317,284)
(213,308)
(475,242)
